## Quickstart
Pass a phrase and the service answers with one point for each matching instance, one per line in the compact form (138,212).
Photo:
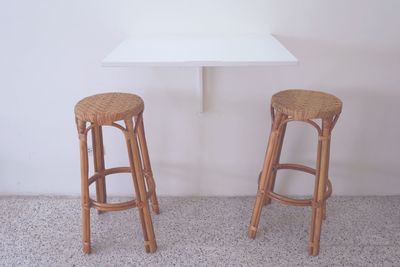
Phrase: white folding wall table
(200,52)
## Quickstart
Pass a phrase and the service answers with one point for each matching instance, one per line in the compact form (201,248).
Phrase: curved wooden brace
(335,119)
(311,122)
(316,126)
(329,191)
(293,201)
(114,206)
(297,167)
(97,175)
(94,177)
(138,120)
(290,201)
(88,128)
(299,202)
(116,125)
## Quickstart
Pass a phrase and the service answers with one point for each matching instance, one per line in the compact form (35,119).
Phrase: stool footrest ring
(299,202)
(98,175)
(297,167)
(114,206)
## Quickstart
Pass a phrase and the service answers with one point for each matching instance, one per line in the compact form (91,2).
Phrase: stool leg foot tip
(151,248)
(156,209)
(252,233)
(313,251)
(86,249)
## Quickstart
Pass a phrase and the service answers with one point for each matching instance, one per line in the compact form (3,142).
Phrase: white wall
(50,57)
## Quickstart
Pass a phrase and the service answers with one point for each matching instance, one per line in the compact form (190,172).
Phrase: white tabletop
(200,51)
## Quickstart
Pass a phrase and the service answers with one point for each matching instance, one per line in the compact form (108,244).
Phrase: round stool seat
(306,104)
(108,107)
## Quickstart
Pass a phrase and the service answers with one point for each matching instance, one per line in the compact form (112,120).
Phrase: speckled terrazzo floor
(45,231)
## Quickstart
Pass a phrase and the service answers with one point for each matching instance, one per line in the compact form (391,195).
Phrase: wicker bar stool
(105,110)
(299,105)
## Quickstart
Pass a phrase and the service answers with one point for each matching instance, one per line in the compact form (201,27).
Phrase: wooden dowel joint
(83,137)
(324,138)
(260,192)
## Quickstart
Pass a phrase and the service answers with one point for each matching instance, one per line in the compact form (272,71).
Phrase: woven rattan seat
(306,104)
(108,107)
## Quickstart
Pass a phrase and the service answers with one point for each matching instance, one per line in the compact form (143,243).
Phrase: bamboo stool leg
(81,125)
(265,175)
(313,215)
(148,173)
(320,186)
(98,158)
(140,187)
(277,156)
(318,167)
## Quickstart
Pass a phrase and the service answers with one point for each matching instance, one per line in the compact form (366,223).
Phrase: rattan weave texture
(108,107)
(306,104)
